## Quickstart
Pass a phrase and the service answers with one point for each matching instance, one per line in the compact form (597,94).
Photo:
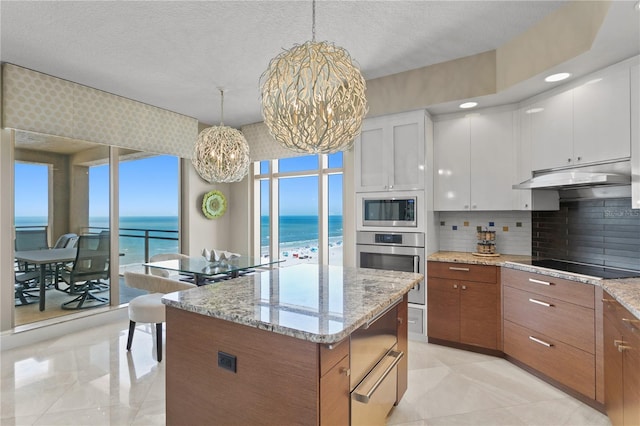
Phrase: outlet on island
(227,361)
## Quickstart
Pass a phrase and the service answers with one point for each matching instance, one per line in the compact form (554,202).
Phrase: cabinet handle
(608,300)
(579,158)
(412,322)
(474,206)
(540,302)
(466,206)
(464,287)
(542,342)
(568,160)
(617,342)
(455,286)
(631,322)
(345,371)
(622,348)
(456,268)
(531,280)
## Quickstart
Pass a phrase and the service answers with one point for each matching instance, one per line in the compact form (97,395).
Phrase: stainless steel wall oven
(397,251)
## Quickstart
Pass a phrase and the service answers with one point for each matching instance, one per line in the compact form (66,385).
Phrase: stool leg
(159,340)
(132,327)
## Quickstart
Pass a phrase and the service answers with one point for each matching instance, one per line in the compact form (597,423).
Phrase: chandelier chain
(313,21)
(221,107)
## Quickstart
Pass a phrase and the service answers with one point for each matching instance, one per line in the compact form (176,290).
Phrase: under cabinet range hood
(617,173)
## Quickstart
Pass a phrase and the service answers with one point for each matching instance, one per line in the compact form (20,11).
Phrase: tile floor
(88,378)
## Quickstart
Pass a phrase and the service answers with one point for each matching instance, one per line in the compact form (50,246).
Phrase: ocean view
(297,234)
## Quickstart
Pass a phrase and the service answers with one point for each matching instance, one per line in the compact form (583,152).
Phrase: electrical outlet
(227,361)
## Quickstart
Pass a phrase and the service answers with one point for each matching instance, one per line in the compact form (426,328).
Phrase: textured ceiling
(175,55)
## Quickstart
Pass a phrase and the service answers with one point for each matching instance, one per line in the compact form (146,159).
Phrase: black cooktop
(585,269)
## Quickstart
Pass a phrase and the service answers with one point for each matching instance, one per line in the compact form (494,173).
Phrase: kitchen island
(288,346)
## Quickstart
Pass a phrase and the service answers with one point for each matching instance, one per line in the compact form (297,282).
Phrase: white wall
(457,230)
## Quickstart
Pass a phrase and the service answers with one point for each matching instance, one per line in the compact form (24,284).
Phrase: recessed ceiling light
(557,77)
(638,6)
(468,105)
(534,110)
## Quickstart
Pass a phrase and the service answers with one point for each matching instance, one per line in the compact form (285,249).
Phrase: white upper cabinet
(475,162)
(584,125)
(601,118)
(452,170)
(390,153)
(552,132)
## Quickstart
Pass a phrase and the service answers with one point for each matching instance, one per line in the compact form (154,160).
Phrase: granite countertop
(626,291)
(320,304)
(466,257)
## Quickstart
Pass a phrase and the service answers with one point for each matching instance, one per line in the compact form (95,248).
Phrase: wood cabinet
(622,363)
(390,153)
(550,326)
(475,161)
(463,304)
(589,123)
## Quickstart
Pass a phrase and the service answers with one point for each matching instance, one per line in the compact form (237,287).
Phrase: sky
(149,187)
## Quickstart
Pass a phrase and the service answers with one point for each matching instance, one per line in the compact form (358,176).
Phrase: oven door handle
(381,314)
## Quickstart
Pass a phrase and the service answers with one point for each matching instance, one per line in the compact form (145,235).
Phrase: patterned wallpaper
(262,146)
(40,103)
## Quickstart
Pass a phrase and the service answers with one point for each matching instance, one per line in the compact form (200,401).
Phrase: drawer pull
(392,359)
(456,268)
(542,342)
(345,371)
(413,322)
(617,342)
(540,302)
(531,280)
(622,348)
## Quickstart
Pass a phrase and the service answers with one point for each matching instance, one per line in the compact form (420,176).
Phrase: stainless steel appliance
(374,374)
(396,251)
(390,211)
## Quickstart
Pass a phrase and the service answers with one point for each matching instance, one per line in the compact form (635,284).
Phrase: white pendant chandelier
(221,153)
(313,97)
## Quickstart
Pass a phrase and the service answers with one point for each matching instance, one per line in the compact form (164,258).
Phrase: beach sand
(335,256)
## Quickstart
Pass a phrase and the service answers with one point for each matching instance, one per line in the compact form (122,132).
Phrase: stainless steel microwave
(390,211)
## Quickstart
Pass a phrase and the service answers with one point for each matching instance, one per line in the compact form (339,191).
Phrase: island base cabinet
(564,363)
(334,394)
(276,379)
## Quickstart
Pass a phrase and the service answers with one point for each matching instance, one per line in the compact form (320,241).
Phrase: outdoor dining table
(42,258)
(203,270)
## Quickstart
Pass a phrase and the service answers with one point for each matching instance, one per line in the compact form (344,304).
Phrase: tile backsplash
(601,232)
(513,230)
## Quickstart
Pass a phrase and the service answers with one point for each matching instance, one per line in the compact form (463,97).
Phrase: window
(300,206)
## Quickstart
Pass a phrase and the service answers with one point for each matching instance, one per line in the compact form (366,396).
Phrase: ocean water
(300,232)
(295,231)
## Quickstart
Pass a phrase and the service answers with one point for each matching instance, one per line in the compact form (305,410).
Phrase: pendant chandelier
(313,97)
(221,153)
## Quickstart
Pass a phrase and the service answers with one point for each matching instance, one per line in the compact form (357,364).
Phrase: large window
(300,208)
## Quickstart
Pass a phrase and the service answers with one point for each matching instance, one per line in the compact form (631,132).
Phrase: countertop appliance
(396,251)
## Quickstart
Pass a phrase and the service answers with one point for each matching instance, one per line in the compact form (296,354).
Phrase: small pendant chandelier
(221,153)
(313,97)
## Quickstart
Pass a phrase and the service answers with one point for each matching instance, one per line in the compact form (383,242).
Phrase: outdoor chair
(30,239)
(25,284)
(86,274)
(148,308)
(66,241)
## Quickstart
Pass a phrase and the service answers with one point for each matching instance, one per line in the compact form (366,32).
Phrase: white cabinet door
(370,155)
(601,118)
(552,132)
(452,164)
(635,137)
(407,171)
(390,153)
(493,161)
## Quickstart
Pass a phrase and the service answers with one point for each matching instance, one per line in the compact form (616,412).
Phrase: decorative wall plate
(214,204)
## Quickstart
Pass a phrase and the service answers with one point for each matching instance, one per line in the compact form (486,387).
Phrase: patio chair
(85,276)
(66,241)
(30,239)
(25,284)
(148,308)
